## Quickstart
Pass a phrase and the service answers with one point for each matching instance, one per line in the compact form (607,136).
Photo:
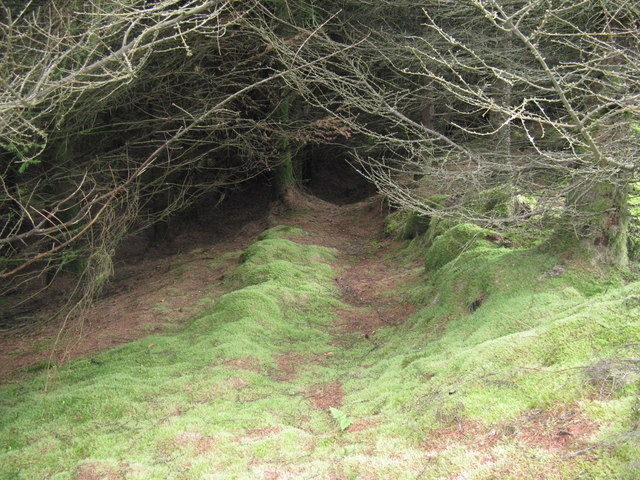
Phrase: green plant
(341,418)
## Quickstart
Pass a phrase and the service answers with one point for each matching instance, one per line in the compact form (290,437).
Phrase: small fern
(341,418)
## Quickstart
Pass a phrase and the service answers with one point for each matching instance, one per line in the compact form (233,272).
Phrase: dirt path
(356,231)
(366,279)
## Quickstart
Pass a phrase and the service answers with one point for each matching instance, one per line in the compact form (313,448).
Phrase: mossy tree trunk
(604,207)
(284,174)
(301,15)
(596,225)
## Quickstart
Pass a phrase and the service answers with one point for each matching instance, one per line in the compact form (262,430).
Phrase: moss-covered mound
(153,406)
(510,338)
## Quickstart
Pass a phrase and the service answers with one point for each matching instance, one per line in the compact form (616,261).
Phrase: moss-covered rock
(406,224)
(495,202)
(414,226)
(595,226)
(453,242)
(437,227)
(395,222)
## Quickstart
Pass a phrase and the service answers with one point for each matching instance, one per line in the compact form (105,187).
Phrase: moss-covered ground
(333,357)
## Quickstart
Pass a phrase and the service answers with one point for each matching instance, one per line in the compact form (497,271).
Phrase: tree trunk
(597,222)
(284,174)
(607,230)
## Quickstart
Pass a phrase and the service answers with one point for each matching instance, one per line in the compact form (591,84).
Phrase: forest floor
(272,360)
(156,287)
(159,289)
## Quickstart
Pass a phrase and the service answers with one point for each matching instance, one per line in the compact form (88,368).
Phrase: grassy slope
(501,351)
(539,342)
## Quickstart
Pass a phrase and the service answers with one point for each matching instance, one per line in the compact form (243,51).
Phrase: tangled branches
(115,115)
(537,100)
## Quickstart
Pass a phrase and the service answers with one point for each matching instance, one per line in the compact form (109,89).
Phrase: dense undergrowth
(518,364)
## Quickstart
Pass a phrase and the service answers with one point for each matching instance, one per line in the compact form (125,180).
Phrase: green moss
(524,347)
(415,225)
(135,401)
(453,242)
(498,202)
(270,249)
(274,259)
(281,231)
(406,225)
(601,226)
(503,336)
(395,222)
(247,302)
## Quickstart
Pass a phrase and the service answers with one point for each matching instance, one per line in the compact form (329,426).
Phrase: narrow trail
(367,281)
